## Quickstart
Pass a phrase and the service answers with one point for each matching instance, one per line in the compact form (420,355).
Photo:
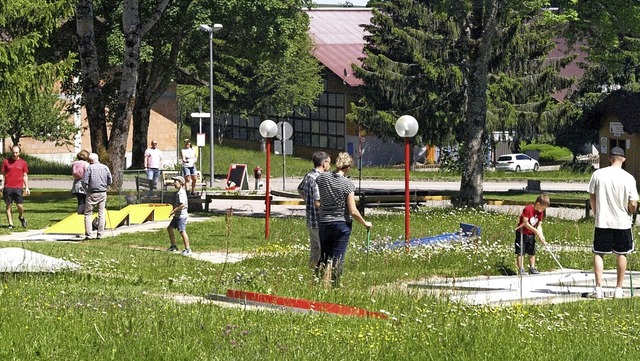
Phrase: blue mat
(466,231)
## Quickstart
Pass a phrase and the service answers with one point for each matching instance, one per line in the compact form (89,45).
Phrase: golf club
(368,241)
(566,279)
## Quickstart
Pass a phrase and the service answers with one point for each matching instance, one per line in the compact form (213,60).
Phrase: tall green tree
(439,60)
(42,117)
(609,32)
(27,104)
(254,33)
(262,58)
(136,23)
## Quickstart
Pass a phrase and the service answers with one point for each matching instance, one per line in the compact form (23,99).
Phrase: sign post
(285,130)
(200,139)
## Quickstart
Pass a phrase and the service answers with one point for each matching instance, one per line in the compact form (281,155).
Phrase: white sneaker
(618,293)
(186,252)
(596,293)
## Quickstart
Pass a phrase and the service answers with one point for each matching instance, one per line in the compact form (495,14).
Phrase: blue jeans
(154,175)
(334,240)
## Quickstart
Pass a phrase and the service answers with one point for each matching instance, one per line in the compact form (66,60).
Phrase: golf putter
(555,258)
(368,241)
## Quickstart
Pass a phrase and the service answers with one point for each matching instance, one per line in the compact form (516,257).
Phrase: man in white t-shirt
(153,162)
(613,198)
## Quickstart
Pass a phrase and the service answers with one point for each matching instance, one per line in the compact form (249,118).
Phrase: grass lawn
(120,305)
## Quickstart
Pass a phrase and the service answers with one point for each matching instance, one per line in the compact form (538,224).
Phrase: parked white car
(517,163)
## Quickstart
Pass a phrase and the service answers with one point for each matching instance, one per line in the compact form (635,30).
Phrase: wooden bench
(555,203)
(370,199)
(148,192)
(167,180)
(573,203)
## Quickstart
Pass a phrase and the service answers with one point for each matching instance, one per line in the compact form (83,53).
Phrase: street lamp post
(211,30)
(268,130)
(406,127)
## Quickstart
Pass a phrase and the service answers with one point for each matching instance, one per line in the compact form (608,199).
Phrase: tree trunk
(141,115)
(91,89)
(132,31)
(154,79)
(482,35)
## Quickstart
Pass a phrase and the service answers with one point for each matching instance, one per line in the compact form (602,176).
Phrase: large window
(323,127)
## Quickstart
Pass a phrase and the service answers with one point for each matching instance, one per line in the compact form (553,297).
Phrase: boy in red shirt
(530,226)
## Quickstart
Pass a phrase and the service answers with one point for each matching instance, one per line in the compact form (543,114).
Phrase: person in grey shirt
(337,209)
(96,180)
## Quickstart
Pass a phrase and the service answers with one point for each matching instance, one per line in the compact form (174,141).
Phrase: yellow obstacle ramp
(74,224)
(132,214)
(148,212)
(116,219)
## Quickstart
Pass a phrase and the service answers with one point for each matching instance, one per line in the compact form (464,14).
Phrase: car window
(504,158)
(522,157)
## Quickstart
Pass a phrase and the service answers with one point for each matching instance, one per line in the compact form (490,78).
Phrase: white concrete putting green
(546,287)
(13,259)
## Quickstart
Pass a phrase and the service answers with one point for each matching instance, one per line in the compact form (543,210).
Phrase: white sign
(616,128)
(200,139)
(285,130)
(200,115)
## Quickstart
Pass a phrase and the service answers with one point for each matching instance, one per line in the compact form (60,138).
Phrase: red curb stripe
(301,303)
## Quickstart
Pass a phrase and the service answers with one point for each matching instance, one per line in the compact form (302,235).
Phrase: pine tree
(448,63)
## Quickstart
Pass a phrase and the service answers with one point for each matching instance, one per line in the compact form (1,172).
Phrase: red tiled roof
(339,39)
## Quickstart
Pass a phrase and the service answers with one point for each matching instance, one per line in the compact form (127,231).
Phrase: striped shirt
(309,188)
(97,177)
(181,198)
(334,189)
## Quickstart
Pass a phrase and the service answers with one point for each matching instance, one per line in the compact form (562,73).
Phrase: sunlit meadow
(123,304)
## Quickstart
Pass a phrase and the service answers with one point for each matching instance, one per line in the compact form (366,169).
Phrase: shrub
(41,166)
(548,152)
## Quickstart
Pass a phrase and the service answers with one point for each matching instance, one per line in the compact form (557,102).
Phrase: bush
(41,166)
(548,152)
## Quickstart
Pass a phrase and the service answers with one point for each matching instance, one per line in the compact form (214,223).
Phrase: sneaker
(172,249)
(23,222)
(533,271)
(521,271)
(186,252)
(10,226)
(596,293)
(618,293)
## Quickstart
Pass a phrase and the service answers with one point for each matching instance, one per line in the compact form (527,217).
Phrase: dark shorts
(607,241)
(528,242)
(12,195)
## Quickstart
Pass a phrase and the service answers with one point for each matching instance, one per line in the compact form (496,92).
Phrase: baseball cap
(179,178)
(617,151)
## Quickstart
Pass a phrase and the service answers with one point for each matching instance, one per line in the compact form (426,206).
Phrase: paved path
(290,184)
(257,207)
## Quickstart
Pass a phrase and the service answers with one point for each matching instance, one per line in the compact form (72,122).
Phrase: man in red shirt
(15,172)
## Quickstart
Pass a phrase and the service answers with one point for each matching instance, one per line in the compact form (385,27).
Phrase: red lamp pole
(406,193)
(267,197)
